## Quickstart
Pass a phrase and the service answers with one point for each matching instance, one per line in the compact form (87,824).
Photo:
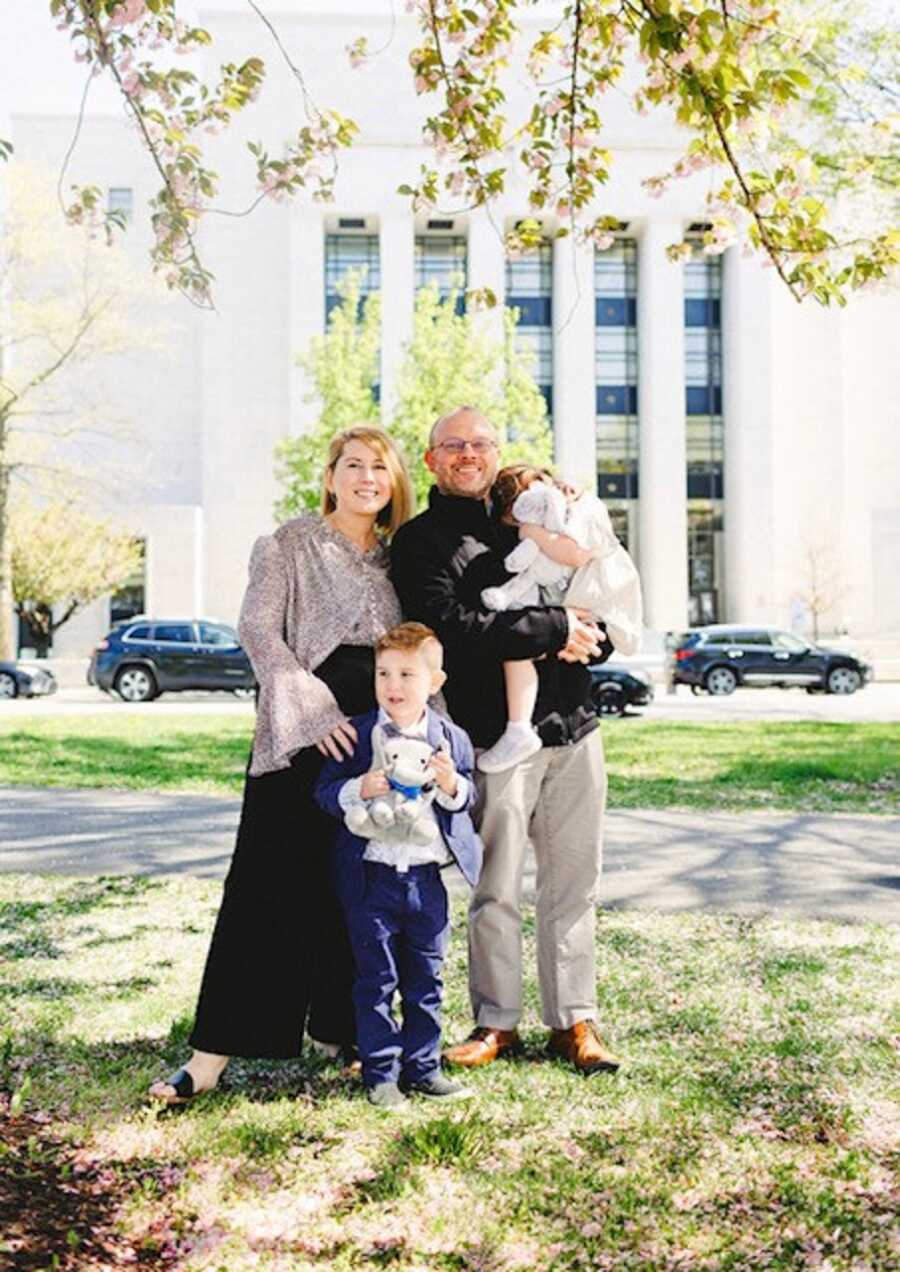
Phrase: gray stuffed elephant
(403,815)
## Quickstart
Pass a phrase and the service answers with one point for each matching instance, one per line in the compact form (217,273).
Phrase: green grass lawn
(810,766)
(755,1125)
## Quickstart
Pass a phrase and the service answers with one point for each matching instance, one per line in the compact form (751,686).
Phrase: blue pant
(399,931)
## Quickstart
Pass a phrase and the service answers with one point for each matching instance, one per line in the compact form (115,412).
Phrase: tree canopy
(62,559)
(791,107)
(449,361)
(70,306)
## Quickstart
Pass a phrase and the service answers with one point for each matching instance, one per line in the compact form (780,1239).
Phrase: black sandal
(183,1085)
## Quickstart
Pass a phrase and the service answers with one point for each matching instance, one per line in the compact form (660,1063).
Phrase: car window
(137,633)
(183,633)
(751,638)
(217,634)
(719,638)
(784,640)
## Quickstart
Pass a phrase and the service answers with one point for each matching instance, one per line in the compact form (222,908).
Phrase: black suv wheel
(843,680)
(609,699)
(135,684)
(721,681)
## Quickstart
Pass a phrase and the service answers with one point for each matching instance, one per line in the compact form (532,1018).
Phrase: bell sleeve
(295,707)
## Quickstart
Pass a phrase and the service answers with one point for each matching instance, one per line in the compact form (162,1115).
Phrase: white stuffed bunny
(542,504)
(607,586)
(403,814)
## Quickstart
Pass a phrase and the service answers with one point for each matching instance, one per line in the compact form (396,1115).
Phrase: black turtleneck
(440,563)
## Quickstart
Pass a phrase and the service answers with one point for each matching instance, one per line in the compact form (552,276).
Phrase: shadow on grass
(57,1211)
(27,921)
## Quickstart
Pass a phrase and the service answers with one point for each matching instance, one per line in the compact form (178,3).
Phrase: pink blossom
(656,79)
(765,204)
(555,105)
(128,12)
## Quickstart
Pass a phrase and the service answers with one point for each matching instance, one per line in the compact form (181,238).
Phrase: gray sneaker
(439,1087)
(387,1095)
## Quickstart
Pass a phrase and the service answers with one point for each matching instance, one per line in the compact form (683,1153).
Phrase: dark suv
(720,658)
(142,658)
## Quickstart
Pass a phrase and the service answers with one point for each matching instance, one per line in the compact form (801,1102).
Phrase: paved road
(877,702)
(834,866)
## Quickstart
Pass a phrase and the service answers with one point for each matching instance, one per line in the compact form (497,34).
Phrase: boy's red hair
(413,638)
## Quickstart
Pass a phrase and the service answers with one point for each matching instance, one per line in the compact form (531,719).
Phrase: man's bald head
(442,427)
(463,453)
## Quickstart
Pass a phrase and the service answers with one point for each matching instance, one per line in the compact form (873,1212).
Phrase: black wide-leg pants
(280,962)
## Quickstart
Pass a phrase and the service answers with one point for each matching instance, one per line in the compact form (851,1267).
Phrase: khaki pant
(556,798)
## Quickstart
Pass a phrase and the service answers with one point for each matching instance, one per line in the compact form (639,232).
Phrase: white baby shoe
(516,743)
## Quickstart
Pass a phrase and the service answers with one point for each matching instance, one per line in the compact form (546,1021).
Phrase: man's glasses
(456,446)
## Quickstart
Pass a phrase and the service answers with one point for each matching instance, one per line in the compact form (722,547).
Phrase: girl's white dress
(607,586)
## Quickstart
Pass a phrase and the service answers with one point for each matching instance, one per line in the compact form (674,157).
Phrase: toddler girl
(569,556)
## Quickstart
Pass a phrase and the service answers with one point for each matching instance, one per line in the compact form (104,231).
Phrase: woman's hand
(374,783)
(342,735)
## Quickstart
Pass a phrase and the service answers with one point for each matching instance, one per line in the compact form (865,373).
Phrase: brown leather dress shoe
(584,1047)
(482,1046)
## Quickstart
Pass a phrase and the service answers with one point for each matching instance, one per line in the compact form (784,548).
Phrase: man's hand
(584,637)
(374,783)
(342,735)
(444,772)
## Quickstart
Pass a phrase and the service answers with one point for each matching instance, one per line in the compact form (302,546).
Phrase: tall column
(747,411)
(396,247)
(574,377)
(662,505)
(306,291)
(487,268)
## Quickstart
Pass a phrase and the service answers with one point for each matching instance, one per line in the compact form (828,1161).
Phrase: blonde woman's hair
(401,505)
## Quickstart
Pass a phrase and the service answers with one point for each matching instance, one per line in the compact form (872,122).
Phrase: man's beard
(482,493)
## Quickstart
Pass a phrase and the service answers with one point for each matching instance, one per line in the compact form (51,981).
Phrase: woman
(318,598)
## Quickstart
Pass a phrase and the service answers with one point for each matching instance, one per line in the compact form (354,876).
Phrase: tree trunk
(7,642)
(38,620)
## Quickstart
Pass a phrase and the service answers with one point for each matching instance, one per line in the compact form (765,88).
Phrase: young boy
(390,885)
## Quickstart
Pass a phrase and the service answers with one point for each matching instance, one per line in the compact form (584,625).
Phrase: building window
(351,252)
(128,599)
(529,289)
(616,363)
(120,199)
(705,436)
(441,259)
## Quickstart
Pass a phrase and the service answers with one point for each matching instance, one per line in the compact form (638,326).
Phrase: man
(441,561)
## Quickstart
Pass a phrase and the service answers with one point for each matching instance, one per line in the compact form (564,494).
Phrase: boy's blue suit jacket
(457,829)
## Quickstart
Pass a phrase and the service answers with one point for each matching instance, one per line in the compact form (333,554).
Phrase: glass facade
(705,436)
(441,259)
(529,288)
(346,252)
(120,199)
(616,364)
(128,598)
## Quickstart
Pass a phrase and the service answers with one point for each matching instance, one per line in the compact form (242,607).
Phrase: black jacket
(440,562)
